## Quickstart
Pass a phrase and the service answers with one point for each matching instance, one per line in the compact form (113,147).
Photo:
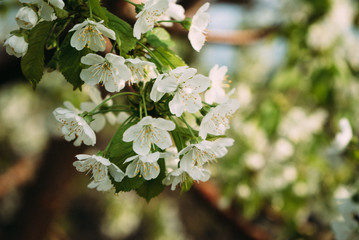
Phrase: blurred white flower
(16,46)
(26,18)
(101,186)
(197,32)
(152,12)
(149,131)
(346,225)
(342,138)
(299,126)
(89,33)
(254,161)
(74,126)
(111,71)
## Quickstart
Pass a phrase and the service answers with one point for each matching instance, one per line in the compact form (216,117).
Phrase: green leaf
(32,64)
(98,10)
(159,37)
(168,58)
(61,13)
(118,152)
(152,188)
(124,33)
(70,62)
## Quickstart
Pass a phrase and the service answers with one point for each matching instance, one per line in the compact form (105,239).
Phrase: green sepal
(70,62)
(32,64)
(186,185)
(187,23)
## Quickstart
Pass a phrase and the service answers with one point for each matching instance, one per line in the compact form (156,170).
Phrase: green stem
(174,21)
(211,105)
(140,110)
(113,47)
(150,52)
(90,11)
(113,96)
(112,110)
(134,4)
(144,101)
(188,126)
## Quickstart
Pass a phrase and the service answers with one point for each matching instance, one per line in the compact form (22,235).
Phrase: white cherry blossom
(16,46)
(216,121)
(46,10)
(74,126)
(101,186)
(99,166)
(26,18)
(174,11)
(220,146)
(147,132)
(180,175)
(111,71)
(140,70)
(185,85)
(152,11)
(216,93)
(145,165)
(197,155)
(89,33)
(197,32)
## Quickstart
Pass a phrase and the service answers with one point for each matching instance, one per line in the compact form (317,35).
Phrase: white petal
(177,105)
(116,172)
(91,59)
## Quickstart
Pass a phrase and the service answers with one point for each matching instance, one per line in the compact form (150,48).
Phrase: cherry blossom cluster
(159,101)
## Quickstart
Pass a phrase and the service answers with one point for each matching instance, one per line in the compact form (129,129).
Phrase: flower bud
(16,46)
(26,18)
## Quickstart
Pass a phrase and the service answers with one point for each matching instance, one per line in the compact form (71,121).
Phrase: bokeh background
(295,68)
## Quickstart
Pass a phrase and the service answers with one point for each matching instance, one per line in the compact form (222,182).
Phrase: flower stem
(174,21)
(113,96)
(90,11)
(150,52)
(112,110)
(134,4)
(188,126)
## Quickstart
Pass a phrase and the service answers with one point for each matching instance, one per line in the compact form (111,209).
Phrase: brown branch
(208,192)
(21,172)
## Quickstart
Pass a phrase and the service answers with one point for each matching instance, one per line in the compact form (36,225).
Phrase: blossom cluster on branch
(162,96)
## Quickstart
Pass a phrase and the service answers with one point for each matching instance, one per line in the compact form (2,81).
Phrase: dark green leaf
(32,64)
(124,33)
(70,62)
(152,188)
(168,58)
(98,10)
(159,37)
